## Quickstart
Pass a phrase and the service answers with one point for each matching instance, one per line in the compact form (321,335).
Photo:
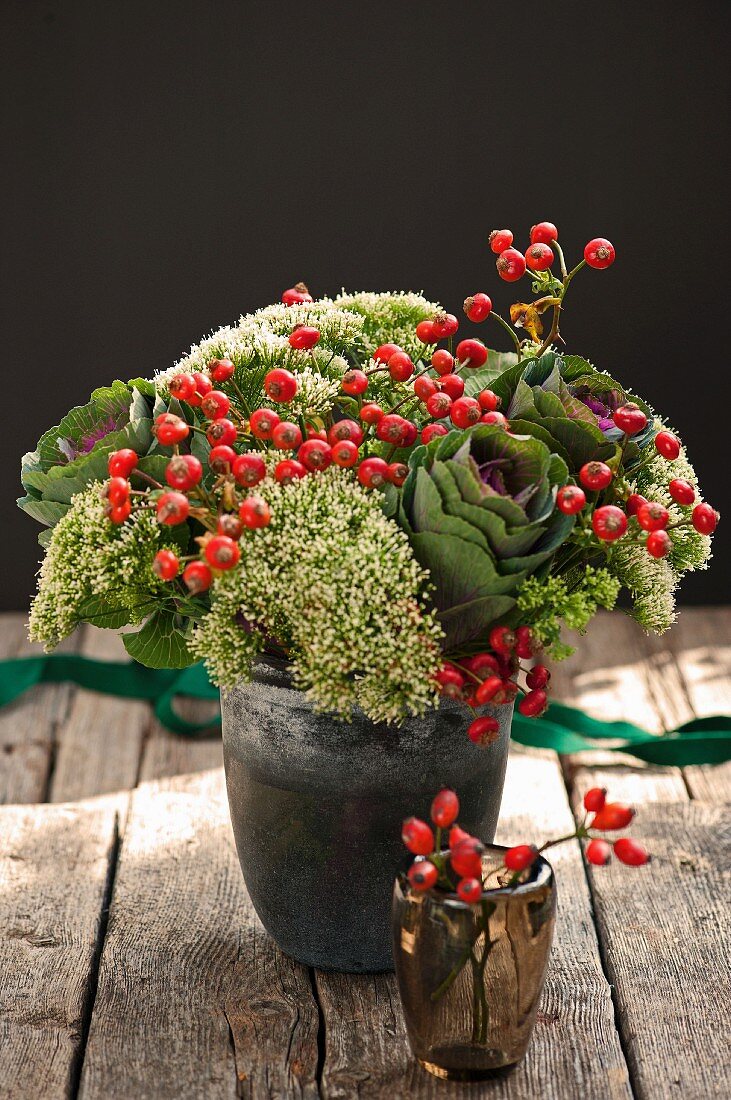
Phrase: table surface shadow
(133,965)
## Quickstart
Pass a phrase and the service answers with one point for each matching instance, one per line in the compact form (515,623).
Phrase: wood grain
(28,727)
(367,1052)
(665,930)
(194,999)
(54,868)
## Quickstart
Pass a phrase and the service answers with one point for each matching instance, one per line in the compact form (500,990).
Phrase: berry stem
(146,477)
(508,328)
(561,258)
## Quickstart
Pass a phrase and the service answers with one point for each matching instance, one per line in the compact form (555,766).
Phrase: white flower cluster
(335,582)
(391,316)
(652,582)
(89,558)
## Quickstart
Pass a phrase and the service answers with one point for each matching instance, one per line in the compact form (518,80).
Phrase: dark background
(169,165)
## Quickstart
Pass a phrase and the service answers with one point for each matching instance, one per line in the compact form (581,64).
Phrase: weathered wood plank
(55,864)
(665,930)
(100,741)
(28,727)
(701,643)
(575,1051)
(193,999)
(166,754)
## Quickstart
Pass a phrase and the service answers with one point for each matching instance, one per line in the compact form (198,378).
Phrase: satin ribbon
(563,729)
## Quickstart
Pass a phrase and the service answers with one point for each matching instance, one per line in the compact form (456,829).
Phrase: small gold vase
(470,976)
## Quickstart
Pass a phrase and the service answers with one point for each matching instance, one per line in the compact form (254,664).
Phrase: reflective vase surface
(470,998)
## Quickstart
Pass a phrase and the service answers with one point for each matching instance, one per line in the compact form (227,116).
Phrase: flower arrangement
(473,924)
(340,482)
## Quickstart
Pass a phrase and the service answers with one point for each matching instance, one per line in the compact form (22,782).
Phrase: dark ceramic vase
(317,806)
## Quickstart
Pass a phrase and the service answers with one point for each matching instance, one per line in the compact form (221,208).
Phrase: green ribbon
(563,729)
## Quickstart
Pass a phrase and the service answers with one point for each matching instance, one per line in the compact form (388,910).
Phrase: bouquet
(348,484)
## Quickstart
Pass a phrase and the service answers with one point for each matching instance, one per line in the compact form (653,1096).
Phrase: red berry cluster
(539,256)
(461,867)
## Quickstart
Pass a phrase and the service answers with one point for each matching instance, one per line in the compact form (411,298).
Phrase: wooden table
(132,964)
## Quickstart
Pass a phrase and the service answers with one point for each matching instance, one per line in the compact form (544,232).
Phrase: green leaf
(160,643)
(107,611)
(47,512)
(471,622)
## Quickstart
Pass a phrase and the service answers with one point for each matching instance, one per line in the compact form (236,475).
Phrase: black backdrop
(169,165)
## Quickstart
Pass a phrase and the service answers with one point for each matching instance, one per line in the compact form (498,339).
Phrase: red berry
(197,577)
(478,307)
(598,852)
(288,470)
(183,472)
(500,239)
(172,508)
(520,857)
(472,353)
(221,459)
(287,436)
(296,295)
(488,689)
(345,453)
(609,523)
(634,503)
(599,253)
(354,382)
(165,565)
(170,429)
(497,418)
(221,370)
(122,463)
(345,429)
(452,385)
(182,387)
(303,338)
(231,525)
(383,353)
(510,265)
(316,433)
(502,639)
(222,552)
(215,405)
(445,808)
(120,512)
(431,431)
(450,680)
(482,665)
(543,233)
(631,852)
(417,836)
(315,454)
(442,361)
(445,324)
(705,519)
(469,890)
(539,257)
(221,431)
(373,472)
(203,385)
(249,469)
(254,513)
(652,516)
(466,858)
(489,401)
(426,332)
(280,385)
(630,418)
(392,428)
(483,731)
(424,387)
(595,475)
(465,412)
(422,876)
(397,473)
(533,704)
(613,815)
(570,499)
(659,544)
(538,677)
(262,423)
(524,642)
(595,799)
(681,490)
(117,490)
(456,835)
(371,414)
